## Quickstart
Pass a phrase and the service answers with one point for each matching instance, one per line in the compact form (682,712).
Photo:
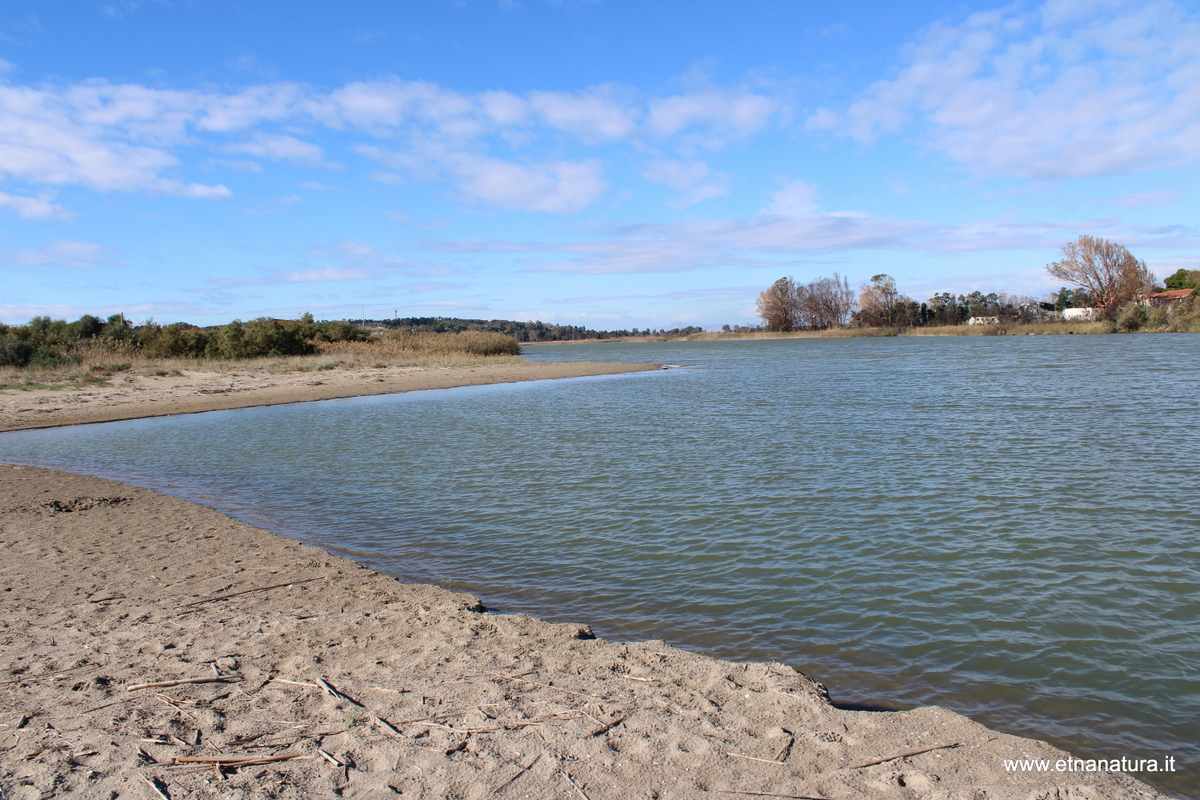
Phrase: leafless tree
(1105,269)
(827,303)
(880,304)
(791,306)
(778,306)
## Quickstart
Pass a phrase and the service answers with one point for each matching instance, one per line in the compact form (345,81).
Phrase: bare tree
(828,302)
(880,304)
(1109,272)
(791,306)
(778,306)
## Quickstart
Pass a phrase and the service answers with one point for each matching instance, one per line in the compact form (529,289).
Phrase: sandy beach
(151,647)
(131,395)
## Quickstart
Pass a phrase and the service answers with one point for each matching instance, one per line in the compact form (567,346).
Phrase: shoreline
(106,585)
(194,391)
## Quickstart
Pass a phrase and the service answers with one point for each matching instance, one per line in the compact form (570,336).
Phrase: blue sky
(605,163)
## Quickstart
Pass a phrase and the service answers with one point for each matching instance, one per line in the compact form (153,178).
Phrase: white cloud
(592,114)
(329,274)
(557,186)
(76,255)
(280,147)
(35,208)
(131,138)
(795,198)
(727,114)
(694,180)
(1066,90)
(1163,197)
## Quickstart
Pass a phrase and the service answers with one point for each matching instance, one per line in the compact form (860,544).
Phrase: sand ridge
(132,395)
(329,679)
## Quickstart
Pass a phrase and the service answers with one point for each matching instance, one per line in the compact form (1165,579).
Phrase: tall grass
(100,364)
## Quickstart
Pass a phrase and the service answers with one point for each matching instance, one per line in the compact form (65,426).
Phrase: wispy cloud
(1063,90)
(1162,197)
(75,255)
(694,180)
(35,207)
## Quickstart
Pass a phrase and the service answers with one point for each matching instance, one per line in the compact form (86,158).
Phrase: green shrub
(1133,317)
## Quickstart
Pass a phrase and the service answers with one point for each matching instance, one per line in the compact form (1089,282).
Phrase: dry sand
(104,586)
(133,396)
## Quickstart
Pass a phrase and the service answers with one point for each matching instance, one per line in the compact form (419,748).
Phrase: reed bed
(99,363)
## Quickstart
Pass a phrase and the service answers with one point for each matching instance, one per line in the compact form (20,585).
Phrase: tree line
(49,342)
(522,331)
(1106,276)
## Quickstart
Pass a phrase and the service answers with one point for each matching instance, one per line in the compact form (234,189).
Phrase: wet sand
(323,678)
(330,679)
(132,396)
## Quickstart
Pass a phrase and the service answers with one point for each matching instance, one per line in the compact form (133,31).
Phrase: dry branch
(543,685)
(772,794)
(247,591)
(163,684)
(335,694)
(762,760)
(608,727)
(906,755)
(153,784)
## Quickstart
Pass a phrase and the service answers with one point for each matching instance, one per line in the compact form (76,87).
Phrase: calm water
(1005,526)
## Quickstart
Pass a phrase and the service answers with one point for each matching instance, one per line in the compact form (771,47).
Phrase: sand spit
(133,396)
(322,678)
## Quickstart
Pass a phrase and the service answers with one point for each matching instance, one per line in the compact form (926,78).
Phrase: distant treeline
(521,331)
(49,342)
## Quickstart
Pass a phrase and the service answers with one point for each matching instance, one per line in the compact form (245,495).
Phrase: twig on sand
(293,683)
(236,761)
(543,685)
(330,758)
(519,773)
(163,684)
(247,591)
(906,755)
(772,794)
(335,694)
(385,726)
(608,727)
(571,780)
(762,760)
(154,787)
(167,700)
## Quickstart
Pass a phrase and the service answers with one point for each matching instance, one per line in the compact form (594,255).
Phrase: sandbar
(151,647)
(132,395)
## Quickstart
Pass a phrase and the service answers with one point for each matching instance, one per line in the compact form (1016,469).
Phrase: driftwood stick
(293,683)
(519,773)
(162,684)
(771,794)
(606,728)
(153,784)
(571,780)
(385,726)
(236,761)
(330,758)
(752,758)
(906,755)
(247,591)
(334,693)
(543,685)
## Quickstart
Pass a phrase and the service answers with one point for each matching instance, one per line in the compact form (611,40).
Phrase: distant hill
(521,331)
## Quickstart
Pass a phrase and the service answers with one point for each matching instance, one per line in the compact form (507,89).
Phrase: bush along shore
(90,350)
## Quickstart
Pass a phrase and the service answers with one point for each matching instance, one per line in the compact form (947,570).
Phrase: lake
(1004,526)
